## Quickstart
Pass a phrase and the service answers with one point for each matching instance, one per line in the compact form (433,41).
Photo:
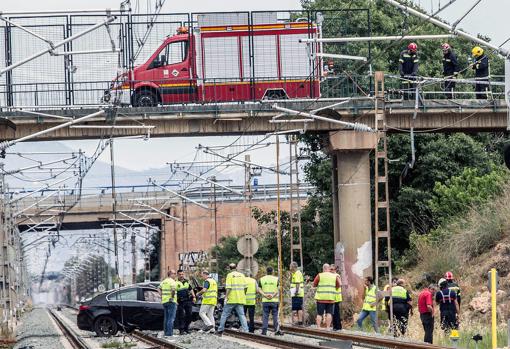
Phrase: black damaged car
(134,307)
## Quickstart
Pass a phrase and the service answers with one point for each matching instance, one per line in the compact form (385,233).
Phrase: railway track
(154,341)
(274,342)
(74,339)
(358,340)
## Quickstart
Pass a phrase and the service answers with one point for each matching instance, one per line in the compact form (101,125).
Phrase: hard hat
(454,335)
(448,275)
(441,281)
(412,47)
(445,46)
(477,51)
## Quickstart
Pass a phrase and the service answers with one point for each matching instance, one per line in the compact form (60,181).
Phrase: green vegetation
(117,344)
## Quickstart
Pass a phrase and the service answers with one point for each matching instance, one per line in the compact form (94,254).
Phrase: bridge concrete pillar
(350,152)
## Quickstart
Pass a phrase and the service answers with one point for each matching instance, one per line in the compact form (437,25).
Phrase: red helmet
(412,47)
(448,275)
(445,46)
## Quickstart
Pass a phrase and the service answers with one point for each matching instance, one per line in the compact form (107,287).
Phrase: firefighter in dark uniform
(401,304)
(448,307)
(450,69)
(481,67)
(185,299)
(408,69)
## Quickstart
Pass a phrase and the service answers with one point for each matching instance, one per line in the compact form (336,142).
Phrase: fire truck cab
(229,63)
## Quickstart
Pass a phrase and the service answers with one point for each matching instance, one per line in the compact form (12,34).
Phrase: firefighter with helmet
(450,69)
(448,307)
(408,69)
(481,68)
(452,285)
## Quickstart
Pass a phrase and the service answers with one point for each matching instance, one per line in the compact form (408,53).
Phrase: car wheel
(145,98)
(105,326)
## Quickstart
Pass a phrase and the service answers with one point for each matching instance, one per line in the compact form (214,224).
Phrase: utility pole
(133,256)
(279,229)
(247,192)
(114,209)
(296,246)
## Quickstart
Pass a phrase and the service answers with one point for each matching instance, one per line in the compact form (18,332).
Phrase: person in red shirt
(426,309)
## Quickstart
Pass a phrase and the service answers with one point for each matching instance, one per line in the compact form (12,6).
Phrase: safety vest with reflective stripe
(338,294)
(398,292)
(237,284)
(167,286)
(370,297)
(269,284)
(297,279)
(251,291)
(210,296)
(326,289)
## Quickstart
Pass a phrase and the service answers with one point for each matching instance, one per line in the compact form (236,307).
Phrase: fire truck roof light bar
(379,38)
(61,43)
(89,52)
(332,55)
(502,51)
(354,125)
(7,144)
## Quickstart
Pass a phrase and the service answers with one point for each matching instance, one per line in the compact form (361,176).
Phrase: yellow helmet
(477,51)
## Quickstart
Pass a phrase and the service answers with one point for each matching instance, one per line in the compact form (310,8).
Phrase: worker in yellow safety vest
(326,284)
(369,304)
(401,304)
(167,290)
(234,299)
(297,293)
(337,319)
(209,293)
(251,300)
(270,300)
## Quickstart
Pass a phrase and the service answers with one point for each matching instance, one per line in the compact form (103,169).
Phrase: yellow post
(493,307)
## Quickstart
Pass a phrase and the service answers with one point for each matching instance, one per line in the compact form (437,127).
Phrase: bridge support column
(350,153)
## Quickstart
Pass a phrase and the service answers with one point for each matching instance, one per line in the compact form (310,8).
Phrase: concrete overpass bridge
(255,118)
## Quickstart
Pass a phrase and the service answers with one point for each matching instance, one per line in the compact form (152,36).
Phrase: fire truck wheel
(145,98)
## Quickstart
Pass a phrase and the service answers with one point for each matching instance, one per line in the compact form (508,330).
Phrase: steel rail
(359,339)
(274,342)
(75,341)
(157,342)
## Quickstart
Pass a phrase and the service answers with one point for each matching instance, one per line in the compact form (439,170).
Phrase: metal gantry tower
(296,246)
(381,195)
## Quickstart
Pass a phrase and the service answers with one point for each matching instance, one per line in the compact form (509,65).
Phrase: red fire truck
(228,63)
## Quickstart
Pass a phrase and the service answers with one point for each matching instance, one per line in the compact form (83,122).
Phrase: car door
(125,306)
(153,313)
